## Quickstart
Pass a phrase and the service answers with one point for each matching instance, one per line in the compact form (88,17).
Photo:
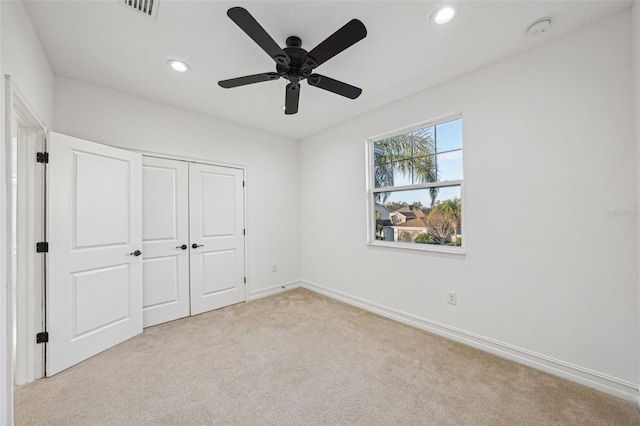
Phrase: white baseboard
(270,291)
(602,382)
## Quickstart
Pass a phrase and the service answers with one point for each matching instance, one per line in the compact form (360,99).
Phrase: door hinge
(42,337)
(245,280)
(42,247)
(244,232)
(42,157)
(243,184)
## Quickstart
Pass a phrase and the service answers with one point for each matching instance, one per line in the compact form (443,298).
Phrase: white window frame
(371,190)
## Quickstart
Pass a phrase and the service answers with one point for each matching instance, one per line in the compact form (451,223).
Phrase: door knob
(183,247)
(135,253)
(195,246)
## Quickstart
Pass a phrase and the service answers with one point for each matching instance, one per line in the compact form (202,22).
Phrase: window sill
(419,247)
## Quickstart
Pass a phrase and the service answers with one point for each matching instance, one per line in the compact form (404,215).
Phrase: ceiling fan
(293,62)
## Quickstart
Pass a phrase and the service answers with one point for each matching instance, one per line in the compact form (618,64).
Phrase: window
(415,187)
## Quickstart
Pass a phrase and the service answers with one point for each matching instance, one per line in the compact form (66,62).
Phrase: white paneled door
(217,236)
(165,236)
(94,276)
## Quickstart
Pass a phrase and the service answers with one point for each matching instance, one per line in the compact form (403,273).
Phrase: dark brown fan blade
(334,86)
(249,25)
(291,98)
(248,79)
(351,33)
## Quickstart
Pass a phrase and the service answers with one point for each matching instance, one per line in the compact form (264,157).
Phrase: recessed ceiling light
(178,65)
(444,14)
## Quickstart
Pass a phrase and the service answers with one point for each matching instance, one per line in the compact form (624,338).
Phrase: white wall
(25,61)
(548,277)
(22,57)
(113,118)
(636,109)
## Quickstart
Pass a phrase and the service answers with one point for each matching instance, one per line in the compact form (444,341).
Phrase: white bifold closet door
(217,236)
(165,236)
(193,238)
(94,272)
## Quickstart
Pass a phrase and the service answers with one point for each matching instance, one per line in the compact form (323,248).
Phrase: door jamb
(30,359)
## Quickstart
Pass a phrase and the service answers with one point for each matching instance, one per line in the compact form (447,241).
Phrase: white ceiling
(104,43)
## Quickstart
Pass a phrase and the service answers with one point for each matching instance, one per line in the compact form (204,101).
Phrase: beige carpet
(299,358)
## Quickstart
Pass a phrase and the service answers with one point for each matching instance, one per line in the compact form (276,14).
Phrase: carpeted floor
(299,358)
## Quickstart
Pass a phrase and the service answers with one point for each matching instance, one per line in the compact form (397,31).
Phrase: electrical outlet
(452,297)
(274,267)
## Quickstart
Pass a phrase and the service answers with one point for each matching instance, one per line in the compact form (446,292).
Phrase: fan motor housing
(294,72)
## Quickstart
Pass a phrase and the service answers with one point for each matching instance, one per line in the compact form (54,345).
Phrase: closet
(134,241)
(192,238)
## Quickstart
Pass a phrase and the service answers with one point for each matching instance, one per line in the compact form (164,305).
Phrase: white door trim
(29,296)
(29,362)
(188,159)
(31,314)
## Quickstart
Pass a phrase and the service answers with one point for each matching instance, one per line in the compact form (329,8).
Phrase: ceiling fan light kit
(293,62)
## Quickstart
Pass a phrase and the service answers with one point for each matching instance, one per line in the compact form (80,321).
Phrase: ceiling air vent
(145,7)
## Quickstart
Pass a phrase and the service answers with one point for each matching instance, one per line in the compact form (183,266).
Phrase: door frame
(244,200)
(30,300)
(32,308)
